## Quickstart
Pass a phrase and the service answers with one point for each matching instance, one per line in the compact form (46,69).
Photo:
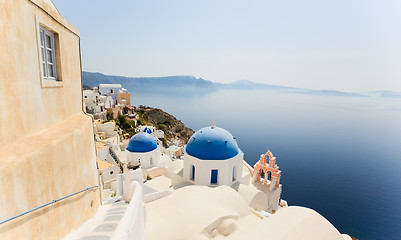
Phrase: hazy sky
(351,45)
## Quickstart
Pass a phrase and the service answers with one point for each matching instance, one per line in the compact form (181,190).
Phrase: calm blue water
(339,155)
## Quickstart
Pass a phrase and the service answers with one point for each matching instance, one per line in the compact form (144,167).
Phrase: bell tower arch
(267,171)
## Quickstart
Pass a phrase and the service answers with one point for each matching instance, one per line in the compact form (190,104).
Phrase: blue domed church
(143,149)
(212,157)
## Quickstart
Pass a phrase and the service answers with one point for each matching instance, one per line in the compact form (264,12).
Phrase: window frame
(44,48)
(56,30)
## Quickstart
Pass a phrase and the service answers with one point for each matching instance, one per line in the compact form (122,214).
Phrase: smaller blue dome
(142,142)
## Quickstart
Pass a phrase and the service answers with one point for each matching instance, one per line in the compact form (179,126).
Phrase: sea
(339,155)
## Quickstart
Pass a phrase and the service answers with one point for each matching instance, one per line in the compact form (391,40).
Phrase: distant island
(191,83)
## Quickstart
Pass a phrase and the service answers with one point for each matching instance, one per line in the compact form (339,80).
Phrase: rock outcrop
(174,130)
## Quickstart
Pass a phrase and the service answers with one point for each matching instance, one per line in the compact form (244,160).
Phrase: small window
(48,54)
(193,173)
(234,178)
(151,161)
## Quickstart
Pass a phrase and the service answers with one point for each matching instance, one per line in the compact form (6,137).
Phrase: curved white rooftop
(206,209)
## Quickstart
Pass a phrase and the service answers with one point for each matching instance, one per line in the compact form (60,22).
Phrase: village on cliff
(87,164)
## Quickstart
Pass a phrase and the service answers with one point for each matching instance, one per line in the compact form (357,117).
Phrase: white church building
(212,157)
(143,150)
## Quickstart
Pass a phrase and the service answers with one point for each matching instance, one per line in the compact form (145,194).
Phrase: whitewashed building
(94,103)
(212,157)
(151,130)
(111,88)
(143,150)
(109,102)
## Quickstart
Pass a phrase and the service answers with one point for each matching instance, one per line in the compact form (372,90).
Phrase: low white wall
(255,198)
(156,195)
(132,225)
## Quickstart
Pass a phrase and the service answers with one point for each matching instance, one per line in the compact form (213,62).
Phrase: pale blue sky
(349,45)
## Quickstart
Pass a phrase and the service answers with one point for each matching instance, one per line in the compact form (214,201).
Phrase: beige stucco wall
(30,106)
(46,141)
(126,96)
(56,161)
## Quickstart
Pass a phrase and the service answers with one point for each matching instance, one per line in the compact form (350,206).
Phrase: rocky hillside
(175,131)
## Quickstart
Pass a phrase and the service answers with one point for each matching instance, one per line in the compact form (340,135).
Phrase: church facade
(212,158)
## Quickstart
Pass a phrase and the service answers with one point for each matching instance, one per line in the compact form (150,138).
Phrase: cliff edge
(174,130)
